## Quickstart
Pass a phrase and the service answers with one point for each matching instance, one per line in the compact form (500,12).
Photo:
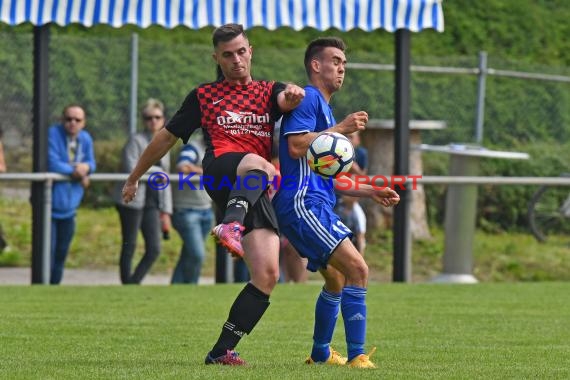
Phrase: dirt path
(22,276)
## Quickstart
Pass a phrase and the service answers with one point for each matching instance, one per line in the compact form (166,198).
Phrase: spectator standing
(150,209)
(353,213)
(346,209)
(360,164)
(193,216)
(70,152)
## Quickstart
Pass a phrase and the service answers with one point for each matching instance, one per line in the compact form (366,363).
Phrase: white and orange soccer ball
(330,154)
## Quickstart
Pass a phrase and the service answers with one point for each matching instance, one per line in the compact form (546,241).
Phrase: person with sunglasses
(150,210)
(70,152)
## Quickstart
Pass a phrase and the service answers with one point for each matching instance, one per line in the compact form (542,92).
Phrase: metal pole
(460,218)
(40,245)
(134,83)
(401,229)
(482,78)
(46,233)
(223,260)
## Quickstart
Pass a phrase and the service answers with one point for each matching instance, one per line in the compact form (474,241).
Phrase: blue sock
(353,308)
(326,314)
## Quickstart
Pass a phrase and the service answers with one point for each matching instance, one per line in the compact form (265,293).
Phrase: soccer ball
(330,154)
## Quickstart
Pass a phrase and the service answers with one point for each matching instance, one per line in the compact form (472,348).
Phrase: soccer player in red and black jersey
(237,115)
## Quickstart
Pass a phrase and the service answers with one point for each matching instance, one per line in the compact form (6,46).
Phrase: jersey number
(341,228)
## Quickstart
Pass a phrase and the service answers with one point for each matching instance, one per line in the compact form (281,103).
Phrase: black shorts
(220,176)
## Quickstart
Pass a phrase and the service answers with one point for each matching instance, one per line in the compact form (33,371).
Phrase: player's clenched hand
(386,197)
(129,191)
(293,94)
(354,122)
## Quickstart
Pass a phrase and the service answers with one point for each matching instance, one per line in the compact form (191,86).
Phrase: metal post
(40,245)
(460,218)
(134,83)
(223,259)
(482,78)
(224,265)
(46,232)
(402,237)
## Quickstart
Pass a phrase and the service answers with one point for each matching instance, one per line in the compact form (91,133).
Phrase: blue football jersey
(300,187)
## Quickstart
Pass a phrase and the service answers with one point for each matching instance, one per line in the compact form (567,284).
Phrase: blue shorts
(316,234)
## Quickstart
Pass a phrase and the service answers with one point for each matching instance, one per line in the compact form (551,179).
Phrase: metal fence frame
(481,71)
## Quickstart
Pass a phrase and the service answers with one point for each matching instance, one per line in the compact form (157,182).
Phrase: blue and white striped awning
(344,15)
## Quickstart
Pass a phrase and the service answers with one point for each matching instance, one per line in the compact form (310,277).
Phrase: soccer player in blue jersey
(305,208)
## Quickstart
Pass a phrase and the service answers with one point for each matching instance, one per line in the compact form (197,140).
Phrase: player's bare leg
(262,258)
(294,266)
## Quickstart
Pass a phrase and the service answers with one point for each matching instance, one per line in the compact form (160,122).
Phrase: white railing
(424,180)
(48,178)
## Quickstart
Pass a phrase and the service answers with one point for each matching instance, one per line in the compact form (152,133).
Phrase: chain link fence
(96,72)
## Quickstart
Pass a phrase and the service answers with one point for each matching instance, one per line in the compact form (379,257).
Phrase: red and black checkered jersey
(234,118)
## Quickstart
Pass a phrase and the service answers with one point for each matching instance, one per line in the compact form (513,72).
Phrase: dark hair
(219,73)
(317,46)
(227,33)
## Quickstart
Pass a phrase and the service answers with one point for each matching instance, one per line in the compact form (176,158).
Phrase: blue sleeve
(302,119)
(89,153)
(189,154)
(58,160)
(362,157)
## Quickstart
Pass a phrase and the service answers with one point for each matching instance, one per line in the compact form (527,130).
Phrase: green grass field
(485,331)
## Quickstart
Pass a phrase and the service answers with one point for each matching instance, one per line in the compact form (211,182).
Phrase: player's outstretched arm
(356,121)
(158,147)
(385,196)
